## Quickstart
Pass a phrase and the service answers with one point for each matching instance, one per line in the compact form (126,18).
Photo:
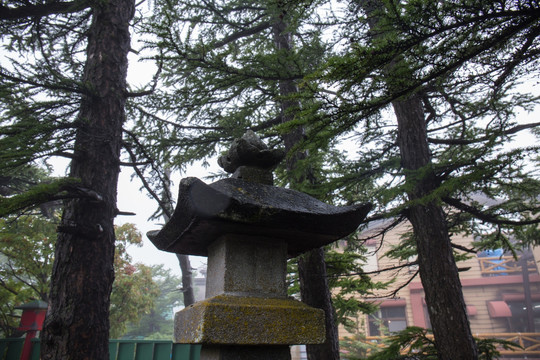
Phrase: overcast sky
(132,200)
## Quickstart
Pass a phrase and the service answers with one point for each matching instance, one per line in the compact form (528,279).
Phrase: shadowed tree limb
(40,10)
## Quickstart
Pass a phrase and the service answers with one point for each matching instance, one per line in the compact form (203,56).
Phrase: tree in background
(134,289)
(158,324)
(27,252)
(27,248)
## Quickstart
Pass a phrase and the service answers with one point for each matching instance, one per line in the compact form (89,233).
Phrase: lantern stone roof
(234,206)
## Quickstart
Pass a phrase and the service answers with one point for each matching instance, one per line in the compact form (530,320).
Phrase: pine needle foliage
(40,89)
(219,72)
(414,343)
(473,64)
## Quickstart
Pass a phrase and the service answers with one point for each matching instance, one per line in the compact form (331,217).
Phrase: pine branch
(162,204)
(510,131)
(41,10)
(394,292)
(147,186)
(176,125)
(241,34)
(481,215)
(66,188)
(383,230)
(396,267)
(16,79)
(531,14)
(462,248)
(153,85)
(438,72)
(518,57)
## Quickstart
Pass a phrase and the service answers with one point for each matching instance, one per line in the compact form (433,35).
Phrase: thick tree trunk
(311,266)
(438,270)
(77,325)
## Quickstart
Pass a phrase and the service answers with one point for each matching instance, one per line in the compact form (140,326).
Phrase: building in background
(502,294)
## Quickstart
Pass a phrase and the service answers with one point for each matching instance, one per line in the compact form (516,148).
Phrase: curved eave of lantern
(233,206)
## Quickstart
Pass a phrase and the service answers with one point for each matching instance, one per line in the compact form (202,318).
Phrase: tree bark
(183,260)
(187,279)
(315,292)
(77,325)
(311,266)
(438,270)
(437,266)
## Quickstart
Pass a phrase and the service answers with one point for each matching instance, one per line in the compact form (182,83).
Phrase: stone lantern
(248,228)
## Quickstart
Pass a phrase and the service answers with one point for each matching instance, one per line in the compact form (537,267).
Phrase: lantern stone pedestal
(248,230)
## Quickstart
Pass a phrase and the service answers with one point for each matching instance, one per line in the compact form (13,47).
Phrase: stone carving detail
(250,159)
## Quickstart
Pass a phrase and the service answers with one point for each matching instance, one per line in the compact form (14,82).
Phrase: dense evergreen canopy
(311,76)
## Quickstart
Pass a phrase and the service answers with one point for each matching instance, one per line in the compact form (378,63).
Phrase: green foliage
(27,253)
(133,295)
(157,324)
(39,194)
(415,343)
(462,60)
(220,74)
(411,343)
(350,284)
(489,348)
(15,181)
(358,347)
(528,235)
(40,71)
(134,290)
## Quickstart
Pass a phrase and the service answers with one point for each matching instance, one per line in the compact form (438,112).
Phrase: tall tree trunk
(438,270)
(183,260)
(187,279)
(77,325)
(315,292)
(314,288)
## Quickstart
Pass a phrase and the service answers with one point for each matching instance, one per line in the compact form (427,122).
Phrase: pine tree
(63,92)
(450,73)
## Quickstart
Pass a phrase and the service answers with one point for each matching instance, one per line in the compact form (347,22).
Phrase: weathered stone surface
(249,150)
(238,320)
(244,266)
(233,206)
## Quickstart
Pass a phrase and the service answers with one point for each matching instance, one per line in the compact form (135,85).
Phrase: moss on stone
(238,320)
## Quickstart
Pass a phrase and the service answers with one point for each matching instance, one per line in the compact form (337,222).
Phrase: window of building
(519,320)
(387,319)
(489,263)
